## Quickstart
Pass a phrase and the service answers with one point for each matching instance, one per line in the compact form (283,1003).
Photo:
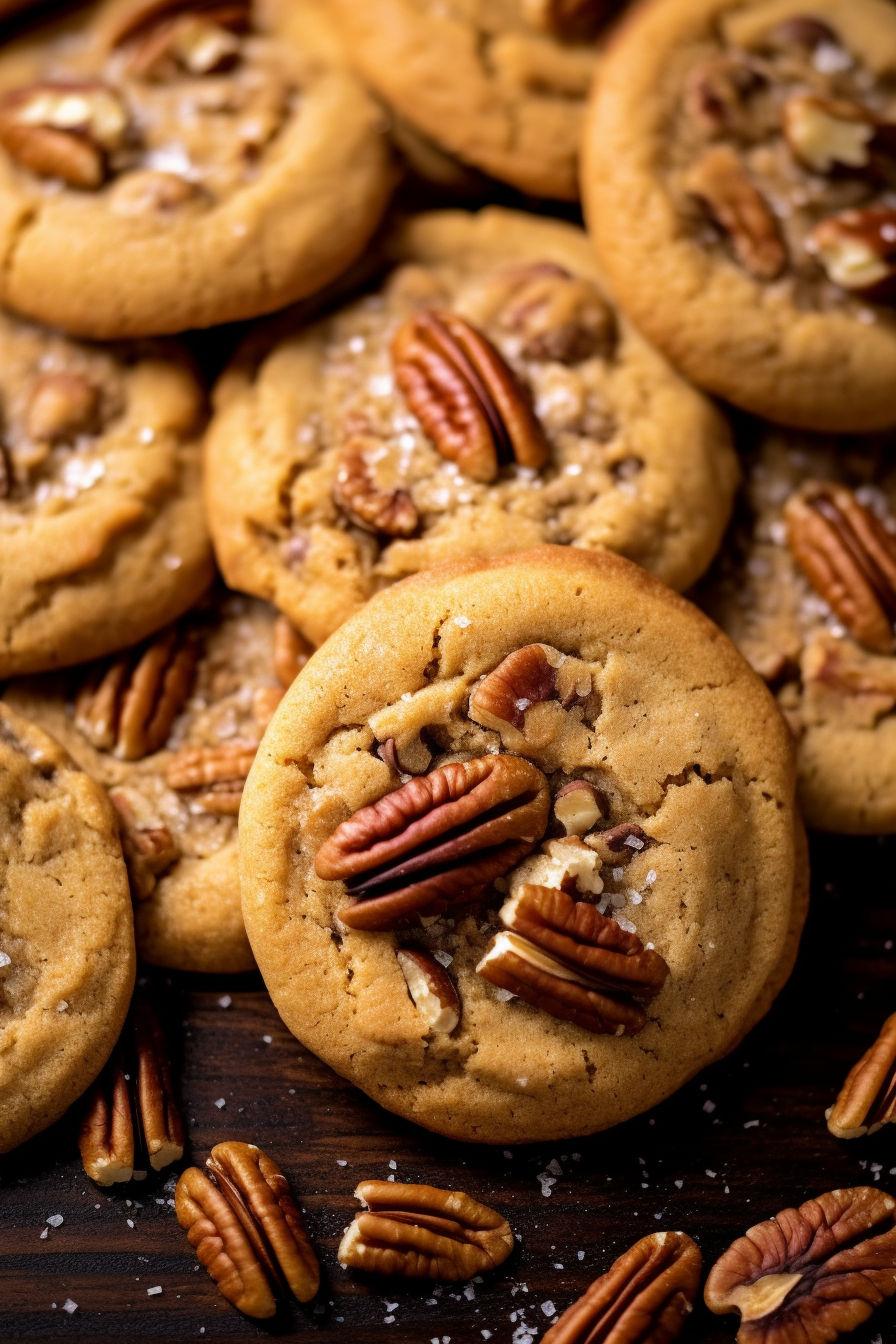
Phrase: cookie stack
(349,643)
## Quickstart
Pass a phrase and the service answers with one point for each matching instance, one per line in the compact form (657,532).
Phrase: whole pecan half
(130,1116)
(465,395)
(64,130)
(644,1298)
(849,558)
(526,677)
(60,406)
(214,776)
(440,839)
(128,706)
(568,959)
(146,842)
(247,1229)
(357,493)
(811,1273)
(720,181)
(867,1100)
(421,1232)
(554,315)
(857,250)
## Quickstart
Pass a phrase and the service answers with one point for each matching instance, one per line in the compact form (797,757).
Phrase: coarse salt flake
(444,958)
(62,1005)
(462,621)
(55,1220)
(267,1039)
(154,1292)
(548,1308)
(69,1306)
(5,959)
(709,1107)
(225,1001)
(220,1103)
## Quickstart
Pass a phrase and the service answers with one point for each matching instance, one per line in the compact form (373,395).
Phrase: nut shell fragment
(867,1099)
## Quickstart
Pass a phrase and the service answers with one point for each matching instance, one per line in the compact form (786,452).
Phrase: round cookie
(223,164)
(737,179)
(171,729)
(501,84)
(343,457)
(821,636)
(102,530)
(677,847)
(66,933)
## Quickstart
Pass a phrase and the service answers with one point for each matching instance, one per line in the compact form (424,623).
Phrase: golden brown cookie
(175,165)
(365,447)
(519,852)
(66,933)
(738,177)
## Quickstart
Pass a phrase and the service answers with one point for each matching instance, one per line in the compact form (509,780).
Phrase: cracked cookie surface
(66,933)
(102,532)
(739,178)
(685,853)
(323,485)
(163,168)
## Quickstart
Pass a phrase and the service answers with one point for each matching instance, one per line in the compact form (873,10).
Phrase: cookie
(171,728)
(519,852)
(66,933)
(102,531)
(212,162)
(500,84)
(737,179)
(487,399)
(806,587)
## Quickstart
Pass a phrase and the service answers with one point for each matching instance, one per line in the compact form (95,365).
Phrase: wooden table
(699,1162)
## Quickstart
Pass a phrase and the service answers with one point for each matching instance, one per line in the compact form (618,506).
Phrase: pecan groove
(740,211)
(129,706)
(867,1099)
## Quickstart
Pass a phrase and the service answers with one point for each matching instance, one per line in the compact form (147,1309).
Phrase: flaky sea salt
(55,1220)
(462,621)
(220,1103)
(69,1306)
(5,959)
(154,1292)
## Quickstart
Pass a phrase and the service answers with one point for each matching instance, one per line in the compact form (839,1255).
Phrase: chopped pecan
(555,315)
(825,134)
(577,807)
(60,406)
(131,1115)
(719,180)
(218,774)
(196,44)
(63,130)
(857,249)
(246,1228)
(716,94)
(644,1298)
(291,651)
(466,396)
(357,493)
(867,1100)
(803,31)
(811,1273)
(147,843)
(431,989)
(526,677)
(567,18)
(618,844)
(140,20)
(129,706)
(567,958)
(421,1232)
(849,558)
(439,840)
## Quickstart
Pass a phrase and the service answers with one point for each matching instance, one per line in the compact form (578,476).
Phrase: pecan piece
(63,130)
(644,1298)
(218,775)
(431,989)
(810,1273)
(246,1228)
(421,1232)
(857,250)
(131,1115)
(60,406)
(618,845)
(867,1100)
(357,494)
(465,395)
(196,44)
(129,706)
(716,93)
(439,840)
(849,558)
(803,31)
(718,179)
(577,807)
(555,315)
(567,18)
(526,677)
(565,957)
(825,133)
(291,651)
(147,843)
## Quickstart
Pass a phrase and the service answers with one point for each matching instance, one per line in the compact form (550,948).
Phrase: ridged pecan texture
(867,1099)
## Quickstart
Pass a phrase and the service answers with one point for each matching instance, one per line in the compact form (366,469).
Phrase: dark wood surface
(692,1163)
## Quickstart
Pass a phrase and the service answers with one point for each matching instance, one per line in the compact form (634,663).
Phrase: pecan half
(246,1229)
(555,315)
(431,989)
(439,840)
(131,1115)
(867,1100)
(421,1232)
(857,250)
(357,493)
(810,1273)
(60,406)
(526,677)
(718,179)
(466,396)
(716,94)
(644,1298)
(217,774)
(565,957)
(129,706)
(824,133)
(849,558)
(147,843)
(291,651)
(63,130)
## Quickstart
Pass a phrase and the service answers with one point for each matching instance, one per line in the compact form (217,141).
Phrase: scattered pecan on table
(867,1100)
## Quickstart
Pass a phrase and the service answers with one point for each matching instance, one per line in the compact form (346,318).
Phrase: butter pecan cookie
(171,728)
(167,164)
(102,530)
(806,587)
(488,398)
(740,184)
(500,84)
(66,932)
(518,851)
